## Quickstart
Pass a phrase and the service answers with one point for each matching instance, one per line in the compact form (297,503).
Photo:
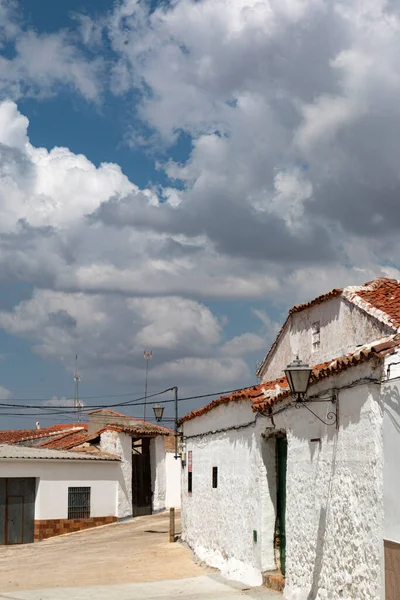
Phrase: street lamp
(298,377)
(158,410)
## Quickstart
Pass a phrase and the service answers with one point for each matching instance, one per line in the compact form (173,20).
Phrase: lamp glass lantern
(158,410)
(298,376)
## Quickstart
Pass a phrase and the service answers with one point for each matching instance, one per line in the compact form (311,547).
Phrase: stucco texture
(218,523)
(114,442)
(334,502)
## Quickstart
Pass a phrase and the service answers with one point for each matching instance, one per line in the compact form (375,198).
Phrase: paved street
(125,561)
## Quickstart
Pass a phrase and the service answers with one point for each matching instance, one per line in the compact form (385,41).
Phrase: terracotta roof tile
(66,441)
(21,435)
(143,428)
(267,394)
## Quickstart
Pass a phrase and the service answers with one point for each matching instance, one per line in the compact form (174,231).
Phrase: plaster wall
(173,470)
(334,509)
(158,472)
(343,327)
(121,444)
(391,444)
(53,478)
(218,523)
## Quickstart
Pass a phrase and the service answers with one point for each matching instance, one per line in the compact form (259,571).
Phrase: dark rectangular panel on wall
(15,519)
(2,510)
(17,510)
(141,479)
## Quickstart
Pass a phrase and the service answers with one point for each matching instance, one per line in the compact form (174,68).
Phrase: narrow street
(125,561)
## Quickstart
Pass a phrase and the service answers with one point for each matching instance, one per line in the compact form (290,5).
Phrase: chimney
(37,425)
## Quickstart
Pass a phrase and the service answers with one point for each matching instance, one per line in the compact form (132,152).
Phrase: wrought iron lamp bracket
(332,416)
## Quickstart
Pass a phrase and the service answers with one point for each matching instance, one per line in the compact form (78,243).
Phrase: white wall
(173,471)
(343,327)
(334,513)
(158,473)
(391,437)
(114,442)
(56,476)
(218,523)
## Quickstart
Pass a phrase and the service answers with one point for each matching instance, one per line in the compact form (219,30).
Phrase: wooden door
(281,454)
(141,478)
(17,510)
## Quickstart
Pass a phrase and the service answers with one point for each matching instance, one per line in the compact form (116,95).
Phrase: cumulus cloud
(289,187)
(40,64)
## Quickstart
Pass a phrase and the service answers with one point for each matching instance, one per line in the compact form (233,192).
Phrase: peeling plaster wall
(158,472)
(218,523)
(334,512)
(343,327)
(121,444)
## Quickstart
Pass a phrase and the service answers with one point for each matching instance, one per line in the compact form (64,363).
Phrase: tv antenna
(147,355)
(77,403)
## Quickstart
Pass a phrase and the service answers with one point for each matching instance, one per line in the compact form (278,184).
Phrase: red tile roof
(66,441)
(264,395)
(11,436)
(144,428)
(379,298)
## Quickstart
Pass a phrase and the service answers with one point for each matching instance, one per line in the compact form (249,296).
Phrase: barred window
(78,502)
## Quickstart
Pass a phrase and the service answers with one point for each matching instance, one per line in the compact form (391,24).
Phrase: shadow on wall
(391,400)
(321,533)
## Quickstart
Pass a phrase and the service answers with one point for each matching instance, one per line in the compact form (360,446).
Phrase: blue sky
(176,176)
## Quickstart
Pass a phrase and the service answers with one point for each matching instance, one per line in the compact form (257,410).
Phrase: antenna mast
(147,355)
(77,403)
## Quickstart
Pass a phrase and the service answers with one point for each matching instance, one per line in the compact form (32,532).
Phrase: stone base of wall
(50,527)
(274,581)
(392,570)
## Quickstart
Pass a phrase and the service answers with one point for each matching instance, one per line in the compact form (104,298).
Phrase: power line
(68,409)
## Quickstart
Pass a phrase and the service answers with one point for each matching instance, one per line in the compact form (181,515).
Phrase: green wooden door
(281,453)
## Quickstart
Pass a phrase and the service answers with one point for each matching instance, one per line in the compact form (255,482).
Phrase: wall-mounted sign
(190,461)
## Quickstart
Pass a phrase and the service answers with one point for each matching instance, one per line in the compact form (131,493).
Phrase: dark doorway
(281,461)
(141,477)
(17,510)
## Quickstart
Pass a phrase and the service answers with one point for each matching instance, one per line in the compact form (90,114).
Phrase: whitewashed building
(47,492)
(114,468)
(308,491)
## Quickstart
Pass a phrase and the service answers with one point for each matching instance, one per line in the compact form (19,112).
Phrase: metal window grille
(215,477)
(78,502)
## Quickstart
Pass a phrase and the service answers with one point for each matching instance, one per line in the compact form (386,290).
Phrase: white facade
(120,444)
(334,503)
(391,444)
(342,327)
(173,470)
(158,473)
(54,477)
(165,477)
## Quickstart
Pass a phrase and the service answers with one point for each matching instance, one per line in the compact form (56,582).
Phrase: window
(78,502)
(190,467)
(315,334)
(215,477)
